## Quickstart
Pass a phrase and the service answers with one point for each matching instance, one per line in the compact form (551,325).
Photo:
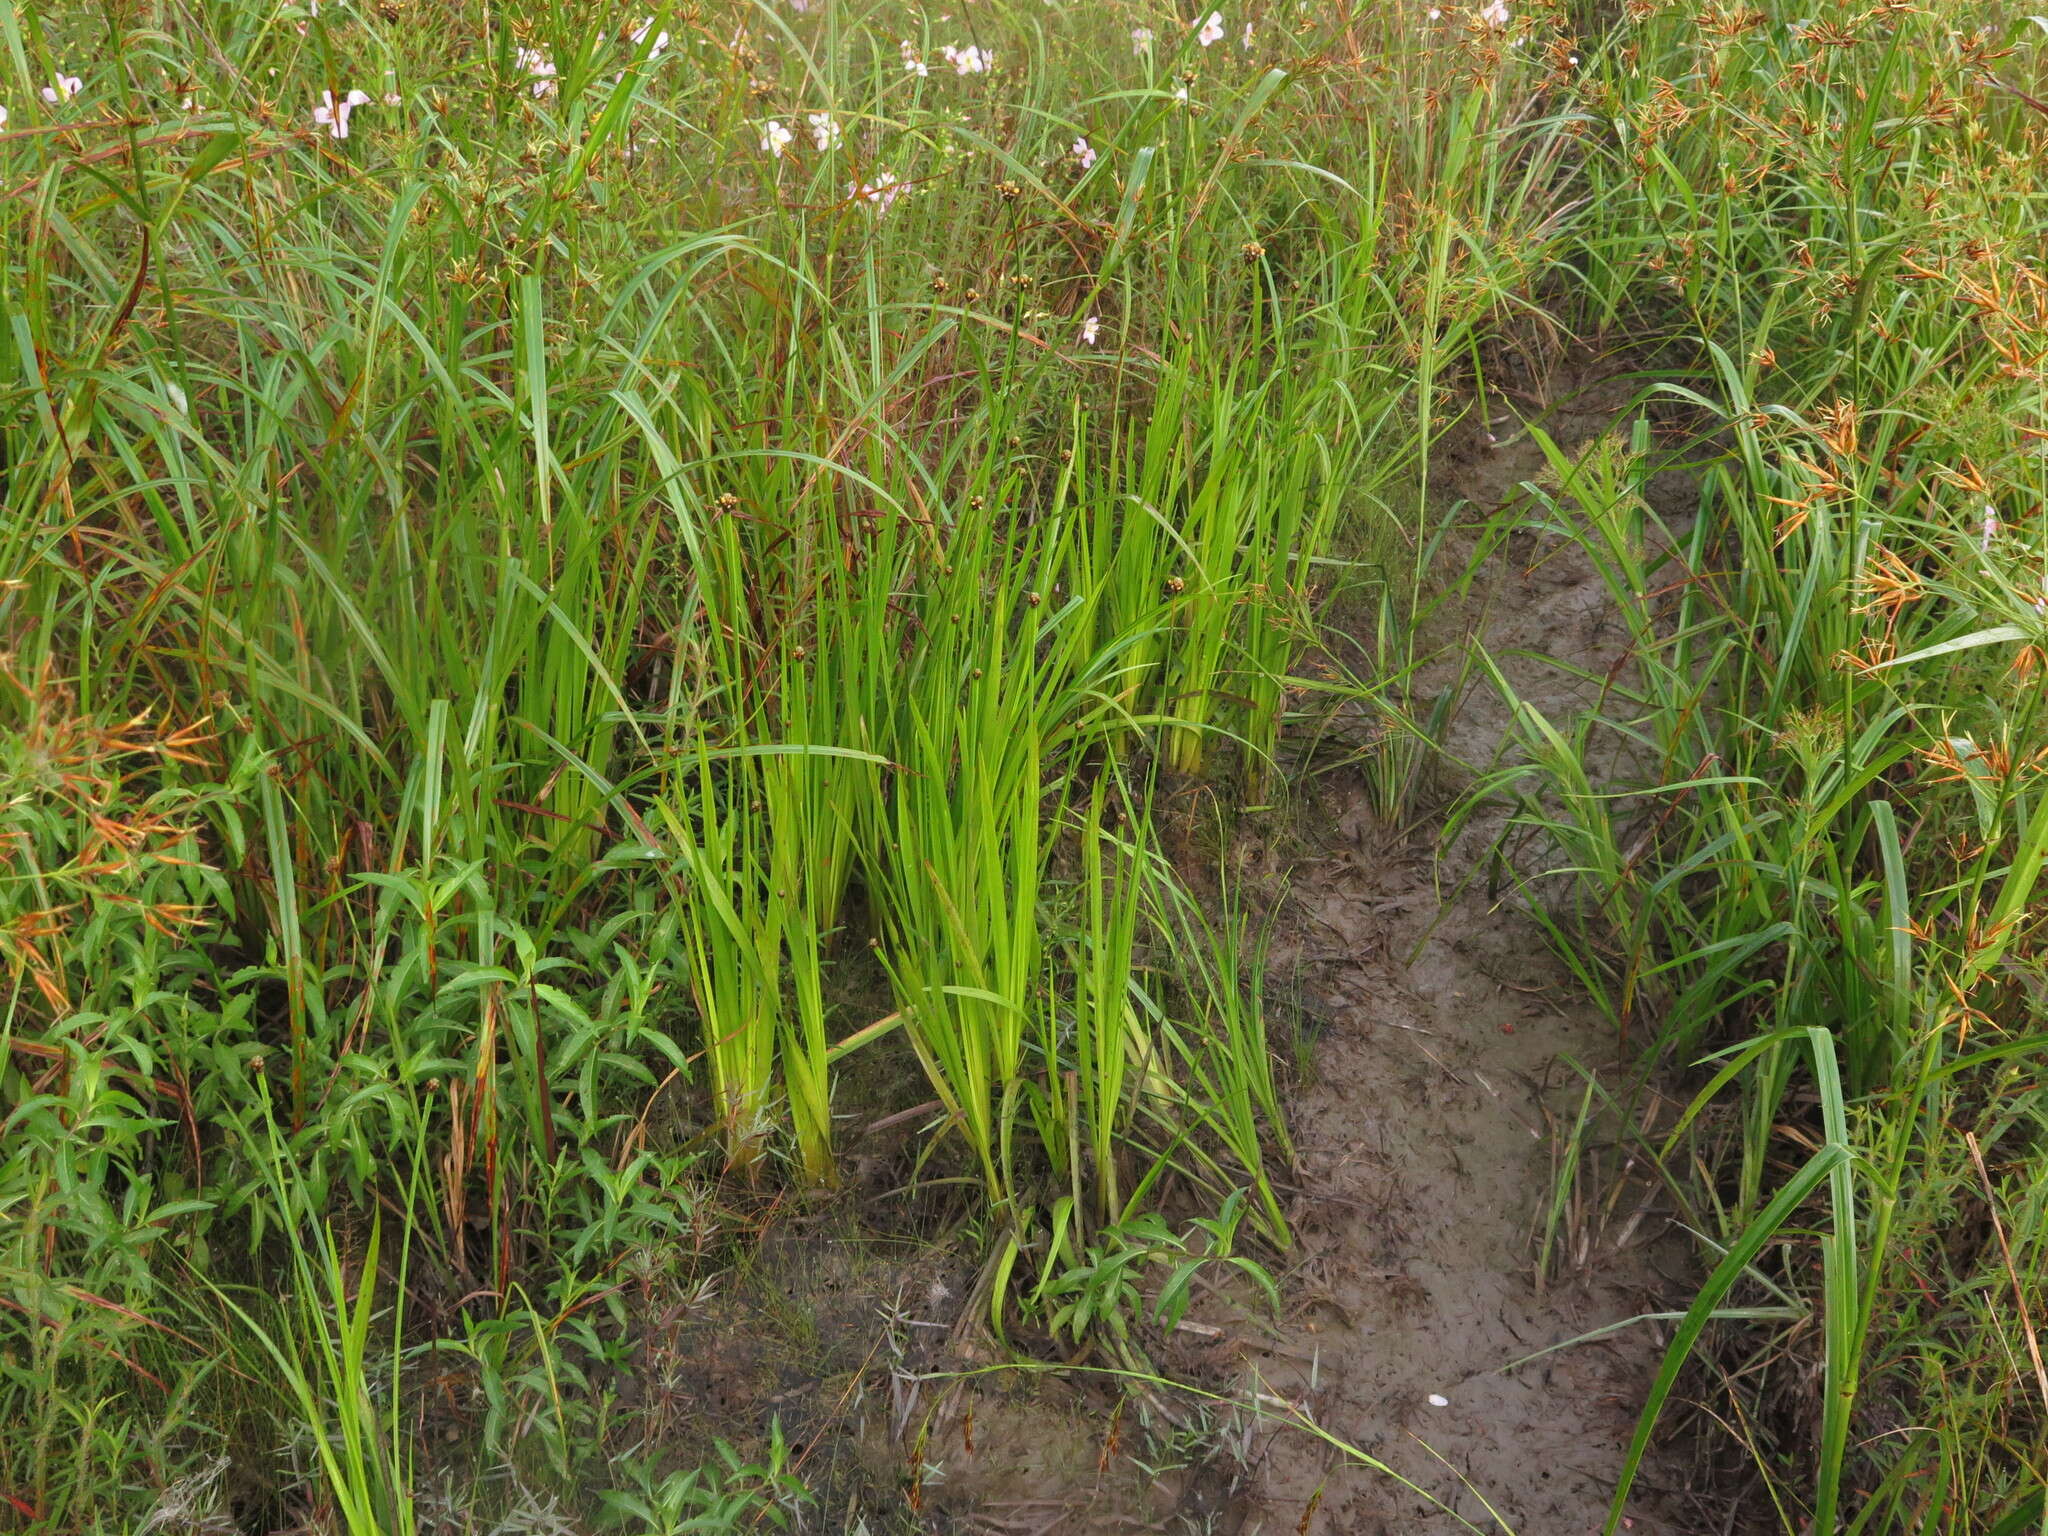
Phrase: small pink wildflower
(1090,329)
(542,68)
(824,132)
(1141,39)
(333,115)
(913,62)
(876,196)
(1212,29)
(1084,152)
(64,88)
(775,138)
(969,60)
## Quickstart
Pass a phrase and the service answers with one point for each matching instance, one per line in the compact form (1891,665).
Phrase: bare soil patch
(1448,1076)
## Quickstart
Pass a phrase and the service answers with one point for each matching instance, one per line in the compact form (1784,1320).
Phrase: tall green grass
(1803,829)
(510,615)
(544,640)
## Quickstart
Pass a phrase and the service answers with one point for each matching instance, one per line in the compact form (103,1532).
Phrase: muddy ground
(1446,1089)
(1444,1063)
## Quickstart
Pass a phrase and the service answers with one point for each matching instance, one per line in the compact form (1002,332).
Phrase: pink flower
(542,68)
(876,196)
(824,132)
(1090,329)
(333,115)
(66,87)
(775,138)
(969,60)
(912,62)
(1212,29)
(1495,14)
(1141,39)
(1084,152)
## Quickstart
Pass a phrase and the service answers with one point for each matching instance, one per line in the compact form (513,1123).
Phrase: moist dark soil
(1449,1085)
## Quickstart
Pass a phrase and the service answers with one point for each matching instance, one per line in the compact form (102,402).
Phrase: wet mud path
(1445,1089)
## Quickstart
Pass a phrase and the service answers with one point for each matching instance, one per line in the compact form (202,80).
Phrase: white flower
(824,132)
(66,87)
(912,62)
(1212,29)
(1090,328)
(1141,39)
(1084,152)
(876,195)
(1245,42)
(1495,14)
(775,138)
(1990,527)
(333,115)
(969,60)
(1181,94)
(189,102)
(639,35)
(542,68)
